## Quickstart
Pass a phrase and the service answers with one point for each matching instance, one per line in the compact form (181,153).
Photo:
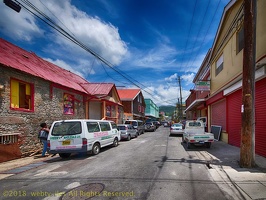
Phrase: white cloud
(20,26)
(83,69)
(102,37)
(188,78)
(160,57)
(64,65)
(171,78)
(165,94)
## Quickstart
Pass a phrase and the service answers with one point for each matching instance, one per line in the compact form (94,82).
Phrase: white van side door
(94,133)
(106,131)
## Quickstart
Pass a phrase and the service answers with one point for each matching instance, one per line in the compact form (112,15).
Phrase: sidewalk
(224,169)
(12,167)
(224,163)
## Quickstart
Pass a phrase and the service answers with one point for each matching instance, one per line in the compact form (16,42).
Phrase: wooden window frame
(24,91)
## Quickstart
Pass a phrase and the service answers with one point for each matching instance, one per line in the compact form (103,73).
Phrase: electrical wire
(47,20)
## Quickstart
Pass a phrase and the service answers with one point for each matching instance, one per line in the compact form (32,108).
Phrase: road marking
(72,185)
(48,172)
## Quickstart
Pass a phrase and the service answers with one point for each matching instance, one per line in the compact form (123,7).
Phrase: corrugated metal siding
(234,102)
(260,117)
(218,114)
(98,88)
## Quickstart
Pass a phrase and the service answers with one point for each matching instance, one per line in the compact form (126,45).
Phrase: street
(152,166)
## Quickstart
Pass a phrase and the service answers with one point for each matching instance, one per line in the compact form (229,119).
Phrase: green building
(151,110)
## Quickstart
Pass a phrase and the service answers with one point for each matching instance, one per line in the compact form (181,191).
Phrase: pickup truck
(194,133)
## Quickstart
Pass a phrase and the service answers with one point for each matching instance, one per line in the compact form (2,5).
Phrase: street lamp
(13,5)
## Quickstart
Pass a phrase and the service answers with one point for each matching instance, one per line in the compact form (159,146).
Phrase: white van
(81,135)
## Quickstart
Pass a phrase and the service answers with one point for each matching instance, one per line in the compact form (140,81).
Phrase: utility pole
(178,106)
(247,148)
(180,90)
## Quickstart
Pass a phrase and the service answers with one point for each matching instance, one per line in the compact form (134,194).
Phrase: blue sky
(149,42)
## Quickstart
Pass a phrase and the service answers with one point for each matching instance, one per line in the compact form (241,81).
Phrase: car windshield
(66,128)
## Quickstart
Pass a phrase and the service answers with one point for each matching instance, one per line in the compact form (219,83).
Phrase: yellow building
(226,66)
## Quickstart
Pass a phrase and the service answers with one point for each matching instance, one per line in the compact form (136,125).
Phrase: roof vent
(25,56)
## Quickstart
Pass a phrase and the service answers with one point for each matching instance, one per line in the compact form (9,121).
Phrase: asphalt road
(152,166)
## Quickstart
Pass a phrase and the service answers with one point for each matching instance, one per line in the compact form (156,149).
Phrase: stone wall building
(33,91)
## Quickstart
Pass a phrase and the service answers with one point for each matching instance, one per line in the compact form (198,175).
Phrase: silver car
(176,129)
(127,131)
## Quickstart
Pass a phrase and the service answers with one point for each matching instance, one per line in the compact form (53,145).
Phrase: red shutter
(218,114)
(234,102)
(260,117)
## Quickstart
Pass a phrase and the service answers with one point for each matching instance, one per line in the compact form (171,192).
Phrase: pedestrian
(43,135)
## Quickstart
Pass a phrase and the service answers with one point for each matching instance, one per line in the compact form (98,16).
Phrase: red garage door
(234,102)
(260,117)
(218,114)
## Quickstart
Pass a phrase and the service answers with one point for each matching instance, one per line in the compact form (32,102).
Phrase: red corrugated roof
(128,94)
(17,58)
(98,88)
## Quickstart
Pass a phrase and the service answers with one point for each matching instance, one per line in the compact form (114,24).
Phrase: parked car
(137,124)
(166,124)
(81,135)
(149,126)
(157,124)
(176,129)
(127,131)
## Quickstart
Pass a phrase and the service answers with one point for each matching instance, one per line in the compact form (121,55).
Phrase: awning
(194,104)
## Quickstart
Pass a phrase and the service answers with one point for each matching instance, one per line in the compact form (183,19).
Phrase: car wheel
(128,137)
(115,143)
(96,149)
(64,155)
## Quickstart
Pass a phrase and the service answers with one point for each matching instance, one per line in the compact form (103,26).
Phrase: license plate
(201,142)
(66,142)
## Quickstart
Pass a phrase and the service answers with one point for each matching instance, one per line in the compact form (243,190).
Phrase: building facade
(33,91)
(224,103)
(133,104)
(151,110)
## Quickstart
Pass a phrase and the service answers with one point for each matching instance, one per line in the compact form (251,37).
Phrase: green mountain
(168,110)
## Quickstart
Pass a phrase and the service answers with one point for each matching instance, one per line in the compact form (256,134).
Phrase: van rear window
(134,123)
(66,128)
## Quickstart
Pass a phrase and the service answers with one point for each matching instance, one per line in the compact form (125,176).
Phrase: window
(108,111)
(68,104)
(105,126)
(219,65)
(21,95)
(239,40)
(114,125)
(66,128)
(93,127)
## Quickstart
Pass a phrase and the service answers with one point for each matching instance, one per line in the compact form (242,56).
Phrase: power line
(46,19)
